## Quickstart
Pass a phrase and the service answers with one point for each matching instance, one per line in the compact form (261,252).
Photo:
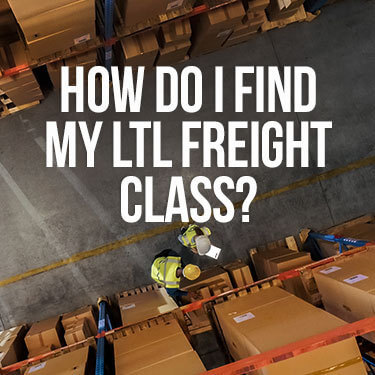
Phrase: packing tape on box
(339,366)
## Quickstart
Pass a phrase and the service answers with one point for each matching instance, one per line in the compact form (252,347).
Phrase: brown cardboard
(213,276)
(175,32)
(350,300)
(239,273)
(133,12)
(261,260)
(143,306)
(54,71)
(85,312)
(161,348)
(61,40)
(233,40)
(12,347)
(272,318)
(140,50)
(44,333)
(173,54)
(288,262)
(77,332)
(183,364)
(72,363)
(258,5)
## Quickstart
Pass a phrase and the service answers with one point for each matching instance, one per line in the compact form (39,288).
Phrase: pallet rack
(253,363)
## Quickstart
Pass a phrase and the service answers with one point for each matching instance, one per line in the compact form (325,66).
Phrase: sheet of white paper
(214,252)
(330,270)
(355,279)
(244,317)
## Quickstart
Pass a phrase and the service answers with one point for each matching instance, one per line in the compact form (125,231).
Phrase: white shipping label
(175,4)
(330,270)
(108,55)
(224,33)
(244,317)
(37,367)
(355,279)
(128,306)
(83,38)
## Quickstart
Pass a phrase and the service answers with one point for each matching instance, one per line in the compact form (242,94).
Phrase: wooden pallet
(7,107)
(300,16)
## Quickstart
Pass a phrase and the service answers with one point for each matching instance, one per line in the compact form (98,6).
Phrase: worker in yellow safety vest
(167,270)
(196,239)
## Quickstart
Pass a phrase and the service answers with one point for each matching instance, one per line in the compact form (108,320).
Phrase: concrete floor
(51,214)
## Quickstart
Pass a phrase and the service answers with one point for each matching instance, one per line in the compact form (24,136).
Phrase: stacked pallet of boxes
(87,60)
(174,39)
(12,346)
(78,362)
(21,88)
(55,25)
(211,282)
(79,325)
(251,23)
(211,29)
(139,50)
(239,273)
(133,12)
(272,318)
(159,347)
(44,336)
(347,287)
(281,259)
(281,9)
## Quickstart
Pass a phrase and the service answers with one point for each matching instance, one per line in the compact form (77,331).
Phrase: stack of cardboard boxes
(251,23)
(139,50)
(174,39)
(239,273)
(156,349)
(87,60)
(12,346)
(347,287)
(79,325)
(273,318)
(281,9)
(133,12)
(212,29)
(44,336)
(77,362)
(21,88)
(54,25)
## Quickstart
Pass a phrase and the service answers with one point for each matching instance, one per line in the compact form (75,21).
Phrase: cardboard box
(347,287)
(209,278)
(173,54)
(86,312)
(72,363)
(233,40)
(78,331)
(139,307)
(288,262)
(158,349)
(173,33)
(258,5)
(239,273)
(140,50)
(133,12)
(272,318)
(54,71)
(211,29)
(8,25)
(44,333)
(12,346)
(276,12)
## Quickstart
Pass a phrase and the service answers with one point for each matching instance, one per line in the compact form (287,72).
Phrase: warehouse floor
(50,214)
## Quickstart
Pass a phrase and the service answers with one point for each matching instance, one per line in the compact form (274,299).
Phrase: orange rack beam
(256,362)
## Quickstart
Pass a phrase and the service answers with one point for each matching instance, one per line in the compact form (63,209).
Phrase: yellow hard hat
(191,272)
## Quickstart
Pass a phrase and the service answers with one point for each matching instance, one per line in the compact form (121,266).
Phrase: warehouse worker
(196,239)
(167,270)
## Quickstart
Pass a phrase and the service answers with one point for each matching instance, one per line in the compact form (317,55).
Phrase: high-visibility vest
(188,236)
(163,271)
